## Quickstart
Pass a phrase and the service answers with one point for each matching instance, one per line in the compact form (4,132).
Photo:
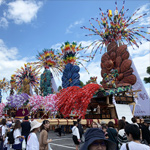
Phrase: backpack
(1,137)
(11,137)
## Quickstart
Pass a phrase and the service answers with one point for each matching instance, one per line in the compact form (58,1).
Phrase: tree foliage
(147,80)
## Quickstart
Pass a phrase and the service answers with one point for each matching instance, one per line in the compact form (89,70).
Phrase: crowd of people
(98,136)
(106,137)
(22,135)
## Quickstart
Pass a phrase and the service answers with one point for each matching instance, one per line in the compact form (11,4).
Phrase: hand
(50,140)
(79,140)
(23,137)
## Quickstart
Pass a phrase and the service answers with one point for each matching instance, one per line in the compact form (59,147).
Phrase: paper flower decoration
(70,76)
(17,101)
(70,51)
(48,103)
(29,73)
(45,82)
(35,102)
(75,99)
(2,106)
(115,27)
(4,85)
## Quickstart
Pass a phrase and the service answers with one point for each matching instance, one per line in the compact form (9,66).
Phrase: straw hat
(35,124)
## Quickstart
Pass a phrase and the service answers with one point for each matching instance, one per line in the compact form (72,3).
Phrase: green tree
(59,88)
(147,80)
(82,84)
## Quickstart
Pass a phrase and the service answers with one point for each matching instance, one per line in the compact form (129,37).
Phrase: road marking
(59,139)
(62,146)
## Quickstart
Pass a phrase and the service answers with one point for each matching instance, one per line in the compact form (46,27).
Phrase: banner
(143,101)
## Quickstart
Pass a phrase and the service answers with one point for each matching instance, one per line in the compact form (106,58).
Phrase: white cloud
(142,50)
(1,2)
(22,11)
(94,70)
(143,9)
(9,60)
(144,20)
(57,46)
(76,23)
(3,22)
(141,63)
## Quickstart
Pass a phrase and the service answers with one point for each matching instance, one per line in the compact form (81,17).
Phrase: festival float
(22,83)
(71,68)
(112,100)
(120,86)
(43,105)
(119,75)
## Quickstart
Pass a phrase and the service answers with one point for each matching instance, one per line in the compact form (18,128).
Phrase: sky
(29,26)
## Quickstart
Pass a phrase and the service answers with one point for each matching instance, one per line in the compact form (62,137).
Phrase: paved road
(61,143)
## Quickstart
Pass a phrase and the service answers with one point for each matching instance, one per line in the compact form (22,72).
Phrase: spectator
(3,132)
(95,125)
(134,121)
(133,135)
(95,140)
(25,125)
(32,142)
(122,138)
(76,135)
(17,136)
(124,119)
(146,132)
(112,133)
(80,128)
(103,123)
(104,128)
(9,122)
(43,140)
(6,145)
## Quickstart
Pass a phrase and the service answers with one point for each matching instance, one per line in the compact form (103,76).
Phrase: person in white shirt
(32,141)
(133,136)
(3,128)
(76,135)
(17,136)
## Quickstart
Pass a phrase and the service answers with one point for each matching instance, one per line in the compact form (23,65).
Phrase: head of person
(3,122)
(45,125)
(134,120)
(110,124)
(26,118)
(121,124)
(95,140)
(79,120)
(75,123)
(147,122)
(132,131)
(103,123)
(17,124)
(94,124)
(35,126)
(124,118)
(104,128)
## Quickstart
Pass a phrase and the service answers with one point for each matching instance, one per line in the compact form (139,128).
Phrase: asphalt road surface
(64,142)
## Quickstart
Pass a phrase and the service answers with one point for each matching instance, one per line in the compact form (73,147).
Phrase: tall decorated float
(22,84)
(43,105)
(119,76)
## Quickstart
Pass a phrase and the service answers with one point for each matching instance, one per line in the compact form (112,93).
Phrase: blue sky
(27,27)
